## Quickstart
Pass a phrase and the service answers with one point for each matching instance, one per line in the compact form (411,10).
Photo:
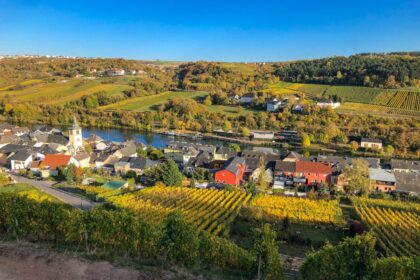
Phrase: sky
(228,30)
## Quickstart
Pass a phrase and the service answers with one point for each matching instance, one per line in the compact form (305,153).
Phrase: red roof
(55,160)
(312,167)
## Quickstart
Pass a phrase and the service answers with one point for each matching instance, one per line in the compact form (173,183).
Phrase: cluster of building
(273,104)
(291,170)
(44,150)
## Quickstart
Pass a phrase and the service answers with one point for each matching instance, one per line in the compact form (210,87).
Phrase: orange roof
(312,167)
(55,160)
(35,164)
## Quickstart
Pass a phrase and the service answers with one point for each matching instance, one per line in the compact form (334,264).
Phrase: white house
(21,160)
(326,104)
(274,105)
(258,134)
(371,143)
(247,98)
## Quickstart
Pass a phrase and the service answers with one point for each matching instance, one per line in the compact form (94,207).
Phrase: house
(49,166)
(21,160)
(273,105)
(259,134)
(232,173)
(337,165)
(292,157)
(247,98)
(401,165)
(326,104)
(302,173)
(287,135)
(297,109)
(203,160)
(115,72)
(224,153)
(234,97)
(57,141)
(407,182)
(370,143)
(83,159)
(182,152)
(136,164)
(382,180)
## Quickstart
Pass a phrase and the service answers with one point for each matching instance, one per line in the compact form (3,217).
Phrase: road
(46,186)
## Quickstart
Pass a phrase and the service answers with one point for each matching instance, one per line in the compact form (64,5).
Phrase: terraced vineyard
(209,210)
(395,225)
(299,210)
(407,100)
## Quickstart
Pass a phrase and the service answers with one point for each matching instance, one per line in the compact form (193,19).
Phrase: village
(42,152)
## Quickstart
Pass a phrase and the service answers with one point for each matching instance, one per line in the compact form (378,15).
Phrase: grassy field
(152,102)
(59,92)
(28,191)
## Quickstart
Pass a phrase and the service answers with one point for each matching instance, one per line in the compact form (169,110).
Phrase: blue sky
(208,30)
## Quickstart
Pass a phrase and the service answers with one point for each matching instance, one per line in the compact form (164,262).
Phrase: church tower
(75,136)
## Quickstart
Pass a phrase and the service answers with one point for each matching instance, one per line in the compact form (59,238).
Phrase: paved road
(66,197)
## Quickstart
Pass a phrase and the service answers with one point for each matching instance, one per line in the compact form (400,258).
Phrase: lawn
(27,190)
(152,102)
(231,110)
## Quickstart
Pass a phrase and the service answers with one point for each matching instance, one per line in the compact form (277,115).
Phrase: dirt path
(25,262)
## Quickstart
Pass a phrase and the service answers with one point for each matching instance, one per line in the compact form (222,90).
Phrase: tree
(227,126)
(266,250)
(245,132)
(141,152)
(171,175)
(207,101)
(366,81)
(306,140)
(235,147)
(357,176)
(339,75)
(180,240)
(351,259)
(262,180)
(354,146)
(389,150)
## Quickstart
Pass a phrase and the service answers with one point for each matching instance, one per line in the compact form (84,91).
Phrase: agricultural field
(370,109)
(208,210)
(298,210)
(396,225)
(59,92)
(407,100)
(152,102)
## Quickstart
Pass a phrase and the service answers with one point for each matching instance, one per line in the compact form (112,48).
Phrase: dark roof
(232,164)
(223,150)
(45,149)
(203,159)
(371,140)
(21,155)
(57,139)
(285,166)
(252,163)
(405,164)
(408,182)
(373,162)
(141,163)
(10,148)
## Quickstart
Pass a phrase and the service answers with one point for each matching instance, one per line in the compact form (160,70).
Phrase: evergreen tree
(171,175)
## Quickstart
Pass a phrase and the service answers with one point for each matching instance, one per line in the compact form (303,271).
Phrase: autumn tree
(171,175)
(357,177)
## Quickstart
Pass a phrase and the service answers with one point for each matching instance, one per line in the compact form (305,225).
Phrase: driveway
(46,186)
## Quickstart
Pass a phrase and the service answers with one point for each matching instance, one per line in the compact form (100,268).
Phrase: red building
(232,173)
(303,172)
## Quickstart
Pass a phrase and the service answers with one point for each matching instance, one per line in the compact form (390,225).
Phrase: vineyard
(299,210)
(208,210)
(405,100)
(396,225)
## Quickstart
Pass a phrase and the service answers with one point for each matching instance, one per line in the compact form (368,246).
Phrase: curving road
(46,186)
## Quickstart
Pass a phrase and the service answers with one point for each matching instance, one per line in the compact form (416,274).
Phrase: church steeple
(75,136)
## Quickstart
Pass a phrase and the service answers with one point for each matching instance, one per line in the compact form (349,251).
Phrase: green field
(152,102)
(60,92)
